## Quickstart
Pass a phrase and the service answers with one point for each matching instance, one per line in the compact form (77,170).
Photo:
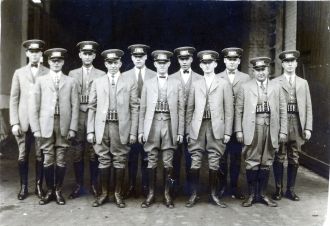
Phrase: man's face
(162,66)
(261,74)
(139,61)
(289,66)
(33,55)
(87,57)
(113,66)
(185,63)
(208,66)
(232,63)
(56,64)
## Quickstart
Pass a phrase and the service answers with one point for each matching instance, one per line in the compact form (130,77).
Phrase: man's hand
(37,134)
(71,135)
(91,138)
(141,138)
(307,134)
(16,130)
(239,137)
(282,138)
(226,139)
(179,140)
(132,139)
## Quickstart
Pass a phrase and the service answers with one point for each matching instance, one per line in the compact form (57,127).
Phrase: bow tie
(231,72)
(186,72)
(34,65)
(162,76)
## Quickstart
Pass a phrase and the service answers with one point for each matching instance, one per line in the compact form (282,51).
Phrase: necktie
(113,80)
(291,81)
(140,83)
(262,86)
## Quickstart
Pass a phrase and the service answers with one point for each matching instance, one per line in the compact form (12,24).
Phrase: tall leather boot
(251,177)
(119,174)
(104,181)
(263,183)
(79,174)
(169,182)
(152,186)
(235,167)
(291,181)
(93,170)
(49,177)
(144,175)
(59,178)
(194,179)
(213,181)
(132,171)
(223,176)
(278,169)
(39,179)
(23,173)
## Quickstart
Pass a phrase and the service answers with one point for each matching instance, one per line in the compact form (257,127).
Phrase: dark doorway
(160,24)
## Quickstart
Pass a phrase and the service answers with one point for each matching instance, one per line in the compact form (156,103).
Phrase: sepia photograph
(164,112)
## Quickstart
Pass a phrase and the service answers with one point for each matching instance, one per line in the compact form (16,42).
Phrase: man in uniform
(300,122)
(139,74)
(209,121)
(54,116)
(260,123)
(84,77)
(112,123)
(232,59)
(161,123)
(22,83)
(187,76)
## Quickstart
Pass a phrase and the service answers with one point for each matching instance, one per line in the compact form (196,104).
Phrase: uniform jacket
(127,107)
(43,101)
(78,75)
(239,79)
(303,100)
(245,111)
(148,74)
(221,107)
(21,87)
(194,76)
(148,103)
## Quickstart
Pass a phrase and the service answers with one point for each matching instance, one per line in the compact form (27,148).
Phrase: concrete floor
(310,211)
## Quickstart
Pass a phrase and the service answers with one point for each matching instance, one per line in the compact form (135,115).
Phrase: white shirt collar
(87,68)
(264,82)
(137,70)
(53,73)
(293,77)
(116,76)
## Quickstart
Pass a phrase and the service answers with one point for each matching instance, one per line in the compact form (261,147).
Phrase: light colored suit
(43,101)
(127,107)
(303,100)
(148,74)
(148,103)
(221,107)
(245,111)
(78,75)
(21,87)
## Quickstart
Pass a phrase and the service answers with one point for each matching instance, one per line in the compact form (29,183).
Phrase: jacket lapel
(254,87)
(51,82)
(237,78)
(284,83)
(202,87)
(299,83)
(214,84)
(106,84)
(29,73)
(62,81)
(120,84)
(270,88)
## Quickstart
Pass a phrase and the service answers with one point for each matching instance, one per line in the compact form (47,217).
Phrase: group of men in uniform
(139,114)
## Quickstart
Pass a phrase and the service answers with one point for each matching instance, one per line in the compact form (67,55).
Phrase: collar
(29,64)
(143,70)
(287,76)
(158,76)
(87,68)
(181,71)
(231,73)
(116,76)
(53,73)
(209,75)
(264,82)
